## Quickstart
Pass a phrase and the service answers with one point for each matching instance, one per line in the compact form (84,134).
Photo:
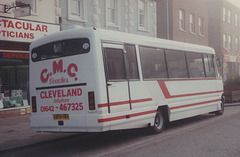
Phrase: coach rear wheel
(221,111)
(159,122)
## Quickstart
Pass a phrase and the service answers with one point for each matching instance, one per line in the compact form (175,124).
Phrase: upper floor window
(237,43)
(224,40)
(192,23)
(236,19)
(142,14)
(76,10)
(229,42)
(112,12)
(182,19)
(33,6)
(224,14)
(200,25)
(229,16)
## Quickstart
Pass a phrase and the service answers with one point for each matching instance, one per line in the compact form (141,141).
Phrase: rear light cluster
(34,104)
(91,100)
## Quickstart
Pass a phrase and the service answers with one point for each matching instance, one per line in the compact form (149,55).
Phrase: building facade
(16,34)
(131,16)
(183,20)
(18,31)
(224,35)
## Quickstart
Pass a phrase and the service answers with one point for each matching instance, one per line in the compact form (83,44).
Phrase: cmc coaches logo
(57,67)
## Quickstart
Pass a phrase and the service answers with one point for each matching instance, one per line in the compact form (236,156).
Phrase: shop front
(231,67)
(15,38)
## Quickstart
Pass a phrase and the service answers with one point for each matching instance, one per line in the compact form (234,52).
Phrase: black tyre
(221,111)
(159,122)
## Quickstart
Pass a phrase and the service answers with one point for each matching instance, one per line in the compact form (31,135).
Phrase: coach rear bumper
(74,124)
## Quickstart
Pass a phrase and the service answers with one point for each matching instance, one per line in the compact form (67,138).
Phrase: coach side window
(132,62)
(115,64)
(176,61)
(209,65)
(153,63)
(195,65)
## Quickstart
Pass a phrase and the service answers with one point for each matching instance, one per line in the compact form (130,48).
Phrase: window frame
(80,18)
(229,17)
(182,20)
(106,59)
(211,56)
(189,67)
(229,42)
(236,20)
(115,22)
(184,62)
(237,43)
(154,50)
(225,45)
(192,23)
(224,14)
(57,49)
(34,5)
(201,26)
(144,26)
(127,63)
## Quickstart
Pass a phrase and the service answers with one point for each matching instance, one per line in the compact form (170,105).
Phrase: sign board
(24,31)
(229,58)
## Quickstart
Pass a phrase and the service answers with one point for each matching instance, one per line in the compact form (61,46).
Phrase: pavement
(16,133)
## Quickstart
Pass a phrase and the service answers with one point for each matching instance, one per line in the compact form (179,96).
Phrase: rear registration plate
(61,117)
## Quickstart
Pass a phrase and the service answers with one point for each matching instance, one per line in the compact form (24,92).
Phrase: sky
(236,2)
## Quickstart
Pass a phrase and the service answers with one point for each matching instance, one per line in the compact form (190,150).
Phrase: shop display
(15,100)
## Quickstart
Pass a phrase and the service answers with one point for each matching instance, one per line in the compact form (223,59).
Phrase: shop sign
(228,58)
(13,55)
(24,31)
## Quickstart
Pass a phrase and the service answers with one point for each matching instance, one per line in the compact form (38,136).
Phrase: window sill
(77,19)
(193,33)
(112,25)
(142,29)
(182,30)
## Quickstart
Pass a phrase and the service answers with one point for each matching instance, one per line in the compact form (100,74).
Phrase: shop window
(14,82)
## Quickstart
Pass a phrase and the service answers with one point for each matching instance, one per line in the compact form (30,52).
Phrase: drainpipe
(167,19)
